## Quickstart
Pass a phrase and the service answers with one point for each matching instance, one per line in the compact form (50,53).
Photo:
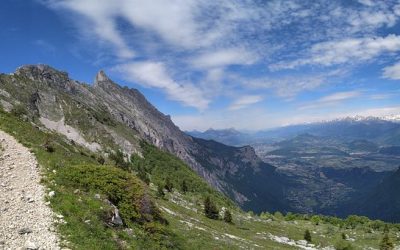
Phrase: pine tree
(228,216)
(168,185)
(210,209)
(184,186)
(307,235)
(160,190)
(142,174)
(386,243)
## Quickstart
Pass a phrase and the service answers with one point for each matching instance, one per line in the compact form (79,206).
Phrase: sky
(247,64)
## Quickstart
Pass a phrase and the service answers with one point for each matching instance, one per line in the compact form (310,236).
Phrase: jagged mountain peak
(103,81)
(101,77)
(40,71)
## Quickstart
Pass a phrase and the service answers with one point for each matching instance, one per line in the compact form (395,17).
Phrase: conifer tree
(228,216)
(386,243)
(168,185)
(184,186)
(160,190)
(210,209)
(307,235)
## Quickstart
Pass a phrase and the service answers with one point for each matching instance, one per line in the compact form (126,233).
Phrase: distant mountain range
(384,130)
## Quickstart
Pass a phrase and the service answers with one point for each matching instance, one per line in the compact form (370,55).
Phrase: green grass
(70,167)
(176,221)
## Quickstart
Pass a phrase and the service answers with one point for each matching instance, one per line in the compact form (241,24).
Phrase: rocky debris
(301,244)
(116,219)
(25,220)
(30,246)
(52,193)
(25,230)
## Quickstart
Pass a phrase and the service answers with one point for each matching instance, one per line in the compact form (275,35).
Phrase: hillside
(86,194)
(105,116)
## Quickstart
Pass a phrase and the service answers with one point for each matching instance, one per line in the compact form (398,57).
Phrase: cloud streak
(155,75)
(352,50)
(245,101)
(332,99)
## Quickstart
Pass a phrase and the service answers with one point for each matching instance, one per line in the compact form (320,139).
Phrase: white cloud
(340,96)
(224,57)
(177,22)
(99,20)
(392,72)
(155,75)
(351,50)
(288,86)
(245,101)
(331,99)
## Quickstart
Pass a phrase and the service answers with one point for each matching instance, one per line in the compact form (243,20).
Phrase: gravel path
(25,220)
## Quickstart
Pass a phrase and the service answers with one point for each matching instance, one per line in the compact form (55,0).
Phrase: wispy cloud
(245,101)
(43,44)
(331,99)
(352,50)
(98,18)
(224,57)
(155,75)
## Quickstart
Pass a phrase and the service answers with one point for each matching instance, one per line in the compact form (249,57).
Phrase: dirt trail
(26,222)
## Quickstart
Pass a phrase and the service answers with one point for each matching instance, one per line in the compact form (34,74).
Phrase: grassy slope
(188,228)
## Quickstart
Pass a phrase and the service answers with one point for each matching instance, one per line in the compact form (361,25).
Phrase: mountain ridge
(119,117)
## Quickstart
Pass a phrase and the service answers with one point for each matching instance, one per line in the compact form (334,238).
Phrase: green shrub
(119,159)
(100,159)
(19,110)
(49,146)
(278,215)
(120,187)
(343,245)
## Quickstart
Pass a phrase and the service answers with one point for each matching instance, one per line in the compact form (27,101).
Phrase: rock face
(111,116)
(25,221)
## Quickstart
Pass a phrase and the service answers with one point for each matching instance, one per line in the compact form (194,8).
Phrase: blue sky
(244,64)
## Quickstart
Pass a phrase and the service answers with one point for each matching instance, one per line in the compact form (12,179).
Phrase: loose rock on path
(26,222)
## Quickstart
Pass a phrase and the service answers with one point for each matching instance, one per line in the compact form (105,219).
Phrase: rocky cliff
(106,116)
